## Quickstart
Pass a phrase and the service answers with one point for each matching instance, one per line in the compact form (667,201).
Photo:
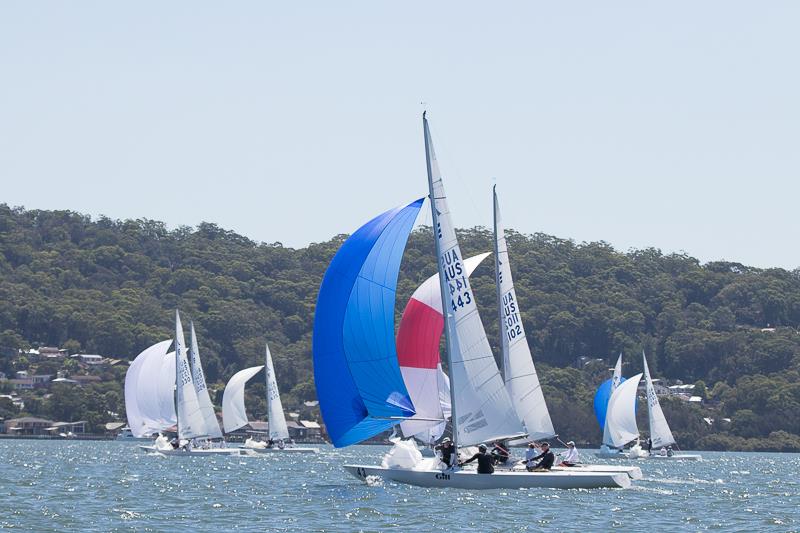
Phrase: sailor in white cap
(570,457)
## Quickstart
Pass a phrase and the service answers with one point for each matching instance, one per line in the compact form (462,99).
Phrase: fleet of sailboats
(368,379)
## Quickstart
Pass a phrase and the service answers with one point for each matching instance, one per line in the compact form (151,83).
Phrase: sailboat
(615,406)
(190,418)
(278,430)
(519,371)
(660,433)
(359,383)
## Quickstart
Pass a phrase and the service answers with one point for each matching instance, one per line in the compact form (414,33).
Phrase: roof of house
(310,424)
(28,420)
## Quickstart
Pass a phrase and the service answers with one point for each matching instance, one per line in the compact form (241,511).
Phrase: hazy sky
(666,124)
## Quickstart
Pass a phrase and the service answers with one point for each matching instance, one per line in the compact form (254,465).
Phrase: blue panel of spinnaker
(601,398)
(359,385)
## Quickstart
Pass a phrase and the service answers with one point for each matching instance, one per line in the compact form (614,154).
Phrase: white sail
(199,380)
(162,386)
(518,369)
(233,411)
(277,422)
(660,433)
(482,410)
(615,380)
(621,414)
(429,388)
(190,418)
(144,417)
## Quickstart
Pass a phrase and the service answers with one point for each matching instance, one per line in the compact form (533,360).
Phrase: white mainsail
(429,388)
(621,414)
(277,422)
(144,415)
(234,415)
(660,433)
(615,380)
(200,387)
(518,369)
(190,418)
(482,409)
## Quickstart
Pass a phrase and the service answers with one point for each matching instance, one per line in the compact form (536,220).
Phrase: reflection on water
(112,486)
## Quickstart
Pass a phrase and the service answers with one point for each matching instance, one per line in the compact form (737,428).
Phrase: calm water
(111,486)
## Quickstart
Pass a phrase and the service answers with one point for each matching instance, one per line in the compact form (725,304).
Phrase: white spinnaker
(426,385)
(518,369)
(143,422)
(200,387)
(234,415)
(277,422)
(164,386)
(621,414)
(483,408)
(190,418)
(615,380)
(660,433)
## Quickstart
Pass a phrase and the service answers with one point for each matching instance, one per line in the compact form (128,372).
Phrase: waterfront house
(27,425)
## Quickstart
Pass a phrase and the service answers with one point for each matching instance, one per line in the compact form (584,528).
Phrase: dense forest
(110,287)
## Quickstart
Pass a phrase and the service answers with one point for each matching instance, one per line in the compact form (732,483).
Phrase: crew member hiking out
(485,460)
(570,457)
(546,460)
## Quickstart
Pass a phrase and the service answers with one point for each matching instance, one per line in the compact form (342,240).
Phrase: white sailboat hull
(471,480)
(615,454)
(247,450)
(194,452)
(633,472)
(678,457)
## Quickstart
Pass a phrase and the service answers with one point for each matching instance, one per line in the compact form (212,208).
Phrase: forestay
(144,415)
(359,384)
(199,380)
(418,338)
(621,415)
(483,409)
(518,369)
(190,418)
(277,421)
(660,433)
(234,415)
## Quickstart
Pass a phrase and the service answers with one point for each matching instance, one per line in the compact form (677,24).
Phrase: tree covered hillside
(110,287)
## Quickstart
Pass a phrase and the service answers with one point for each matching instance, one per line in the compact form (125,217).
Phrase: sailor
(530,453)
(662,452)
(670,453)
(485,460)
(270,443)
(546,459)
(446,448)
(570,456)
(281,444)
(649,444)
(175,443)
(499,453)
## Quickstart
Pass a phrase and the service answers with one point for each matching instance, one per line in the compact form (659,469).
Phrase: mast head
(424,113)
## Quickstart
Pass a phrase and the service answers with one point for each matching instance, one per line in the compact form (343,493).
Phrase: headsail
(190,418)
(616,380)
(234,415)
(199,380)
(482,408)
(141,396)
(660,433)
(277,421)
(621,416)
(518,369)
(359,386)
(418,338)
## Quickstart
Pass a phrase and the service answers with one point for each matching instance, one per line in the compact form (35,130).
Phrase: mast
(177,377)
(497,280)
(442,285)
